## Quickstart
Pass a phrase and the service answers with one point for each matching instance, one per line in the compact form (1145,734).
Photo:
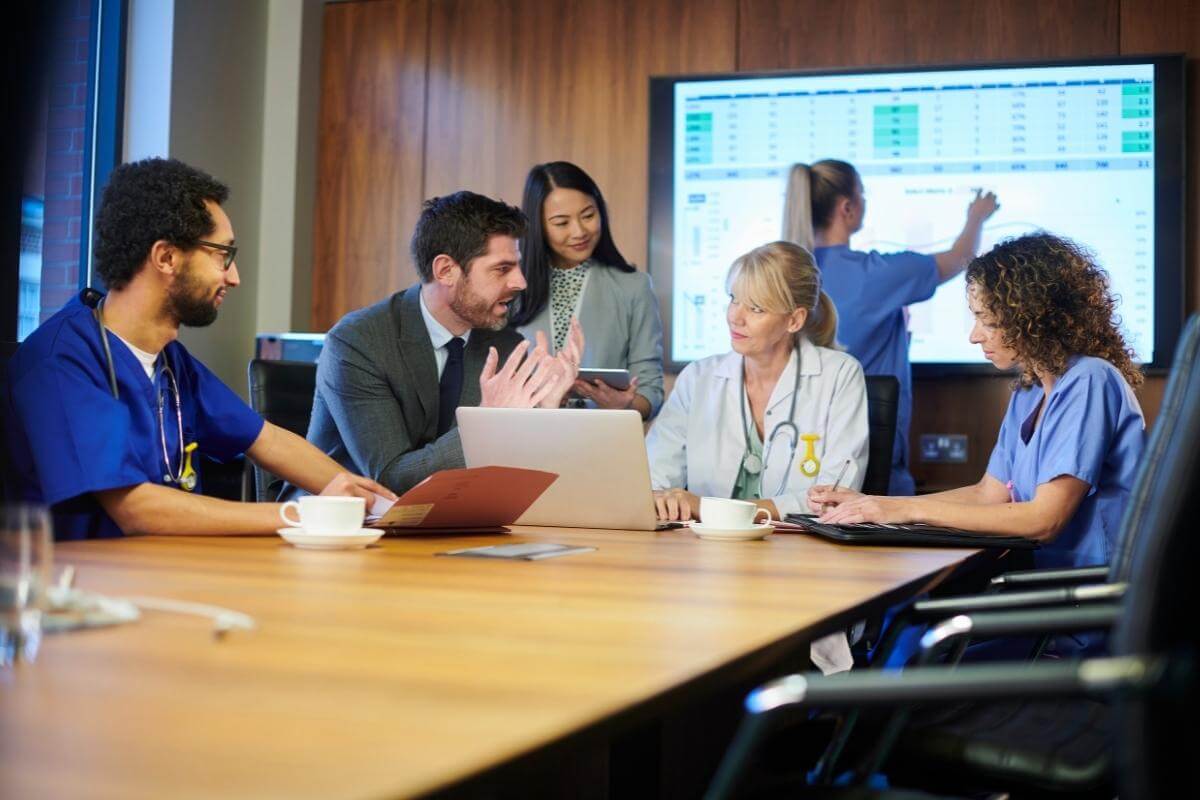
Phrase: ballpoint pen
(837,481)
(841,475)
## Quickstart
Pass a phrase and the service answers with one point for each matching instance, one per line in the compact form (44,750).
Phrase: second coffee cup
(325,515)
(734,515)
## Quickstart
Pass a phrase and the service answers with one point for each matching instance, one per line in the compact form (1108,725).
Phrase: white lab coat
(698,441)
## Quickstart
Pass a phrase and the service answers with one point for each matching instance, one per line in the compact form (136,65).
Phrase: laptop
(599,456)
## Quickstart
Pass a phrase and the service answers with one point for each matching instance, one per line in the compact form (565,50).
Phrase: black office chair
(883,400)
(1059,747)
(1151,680)
(282,392)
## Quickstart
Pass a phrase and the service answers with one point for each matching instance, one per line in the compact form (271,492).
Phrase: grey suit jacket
(621,328)
(376,406)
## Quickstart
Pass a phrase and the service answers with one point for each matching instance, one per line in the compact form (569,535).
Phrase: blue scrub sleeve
(902,278)
(1078,430)
(80,437)
(225,425)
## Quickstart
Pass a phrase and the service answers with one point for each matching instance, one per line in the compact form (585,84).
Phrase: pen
(841,475)
(837,480)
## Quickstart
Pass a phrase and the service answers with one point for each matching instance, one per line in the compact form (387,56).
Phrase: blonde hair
(812,195)
(780,277)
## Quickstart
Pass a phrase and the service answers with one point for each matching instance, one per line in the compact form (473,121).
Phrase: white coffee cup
(722,513)
(326,514)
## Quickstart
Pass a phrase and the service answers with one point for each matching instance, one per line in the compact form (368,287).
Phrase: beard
(475,309)
(187,303)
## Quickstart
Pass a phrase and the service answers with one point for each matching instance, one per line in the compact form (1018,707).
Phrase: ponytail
(797,208)
(821,327)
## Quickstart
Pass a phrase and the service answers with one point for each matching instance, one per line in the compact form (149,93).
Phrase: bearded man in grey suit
(391,375)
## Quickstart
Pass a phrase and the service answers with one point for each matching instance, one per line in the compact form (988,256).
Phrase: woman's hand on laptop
(869,508)
(676,505)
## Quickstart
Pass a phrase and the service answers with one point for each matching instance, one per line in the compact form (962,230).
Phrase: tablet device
(616,378)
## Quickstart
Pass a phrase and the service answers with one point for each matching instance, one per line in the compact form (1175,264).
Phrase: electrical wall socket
(943,448)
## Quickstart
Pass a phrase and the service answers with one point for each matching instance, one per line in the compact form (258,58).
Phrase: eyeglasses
(230,251)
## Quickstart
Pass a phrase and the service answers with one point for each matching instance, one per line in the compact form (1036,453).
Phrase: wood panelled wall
(423,97)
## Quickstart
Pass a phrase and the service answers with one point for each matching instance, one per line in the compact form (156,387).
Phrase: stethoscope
(753,464)
(184,476)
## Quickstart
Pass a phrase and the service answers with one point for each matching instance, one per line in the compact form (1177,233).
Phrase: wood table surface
(389,672)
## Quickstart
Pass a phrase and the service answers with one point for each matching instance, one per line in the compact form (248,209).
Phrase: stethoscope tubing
(171,476)
(787,426)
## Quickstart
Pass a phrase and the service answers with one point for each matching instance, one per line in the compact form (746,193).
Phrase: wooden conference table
(390,673)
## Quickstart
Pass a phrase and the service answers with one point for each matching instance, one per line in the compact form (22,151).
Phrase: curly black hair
(459,225)
(157,199)
(1051,302)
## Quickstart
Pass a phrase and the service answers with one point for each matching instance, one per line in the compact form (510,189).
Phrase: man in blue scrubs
(872,289)
(109,412)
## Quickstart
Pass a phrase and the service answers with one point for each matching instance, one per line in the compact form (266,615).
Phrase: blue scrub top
(870,291)
(69,437)
(1092,428)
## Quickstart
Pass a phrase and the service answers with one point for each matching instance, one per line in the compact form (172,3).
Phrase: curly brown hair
(1051,301)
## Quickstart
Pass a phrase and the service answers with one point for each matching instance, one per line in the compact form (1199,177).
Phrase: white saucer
(353,540)
(759,531)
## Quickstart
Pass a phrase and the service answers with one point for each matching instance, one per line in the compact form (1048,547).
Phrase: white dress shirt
(440,336)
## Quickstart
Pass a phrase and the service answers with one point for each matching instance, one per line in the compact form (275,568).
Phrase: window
(74,99)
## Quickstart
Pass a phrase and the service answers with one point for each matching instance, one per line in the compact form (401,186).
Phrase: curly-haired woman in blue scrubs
(1063,466)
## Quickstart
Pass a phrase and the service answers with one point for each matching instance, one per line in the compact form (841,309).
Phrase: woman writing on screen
(765,420)
(1069,446)
(573,269)
(825,206)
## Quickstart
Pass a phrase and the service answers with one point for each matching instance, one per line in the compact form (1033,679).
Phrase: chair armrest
(1050,577)
(954,684)
(890,688)
(1038,598)
(1018,623)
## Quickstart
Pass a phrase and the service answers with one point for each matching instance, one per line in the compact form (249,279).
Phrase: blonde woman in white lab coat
(712,434)
(725,432)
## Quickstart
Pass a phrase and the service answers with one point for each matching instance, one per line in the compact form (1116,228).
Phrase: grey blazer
(376,406)
(621,328)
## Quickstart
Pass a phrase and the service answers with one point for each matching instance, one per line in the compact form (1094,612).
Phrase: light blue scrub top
(68,437)
(1092,428)
(870,291)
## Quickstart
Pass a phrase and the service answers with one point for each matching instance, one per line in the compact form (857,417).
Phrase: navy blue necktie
(450,386)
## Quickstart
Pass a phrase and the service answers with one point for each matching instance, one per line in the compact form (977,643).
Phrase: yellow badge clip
(187,478)
(810,465)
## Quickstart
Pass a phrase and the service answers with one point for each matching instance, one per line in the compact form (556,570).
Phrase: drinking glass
(25,568)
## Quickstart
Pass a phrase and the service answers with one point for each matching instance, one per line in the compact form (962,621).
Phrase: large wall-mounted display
(1089,150)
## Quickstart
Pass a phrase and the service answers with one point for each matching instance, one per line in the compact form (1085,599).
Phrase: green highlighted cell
(699,122)
(896,130)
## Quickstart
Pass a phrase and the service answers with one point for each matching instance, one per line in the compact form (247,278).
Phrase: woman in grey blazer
(573,269)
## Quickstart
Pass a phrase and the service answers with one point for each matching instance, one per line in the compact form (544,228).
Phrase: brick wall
(65,132)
